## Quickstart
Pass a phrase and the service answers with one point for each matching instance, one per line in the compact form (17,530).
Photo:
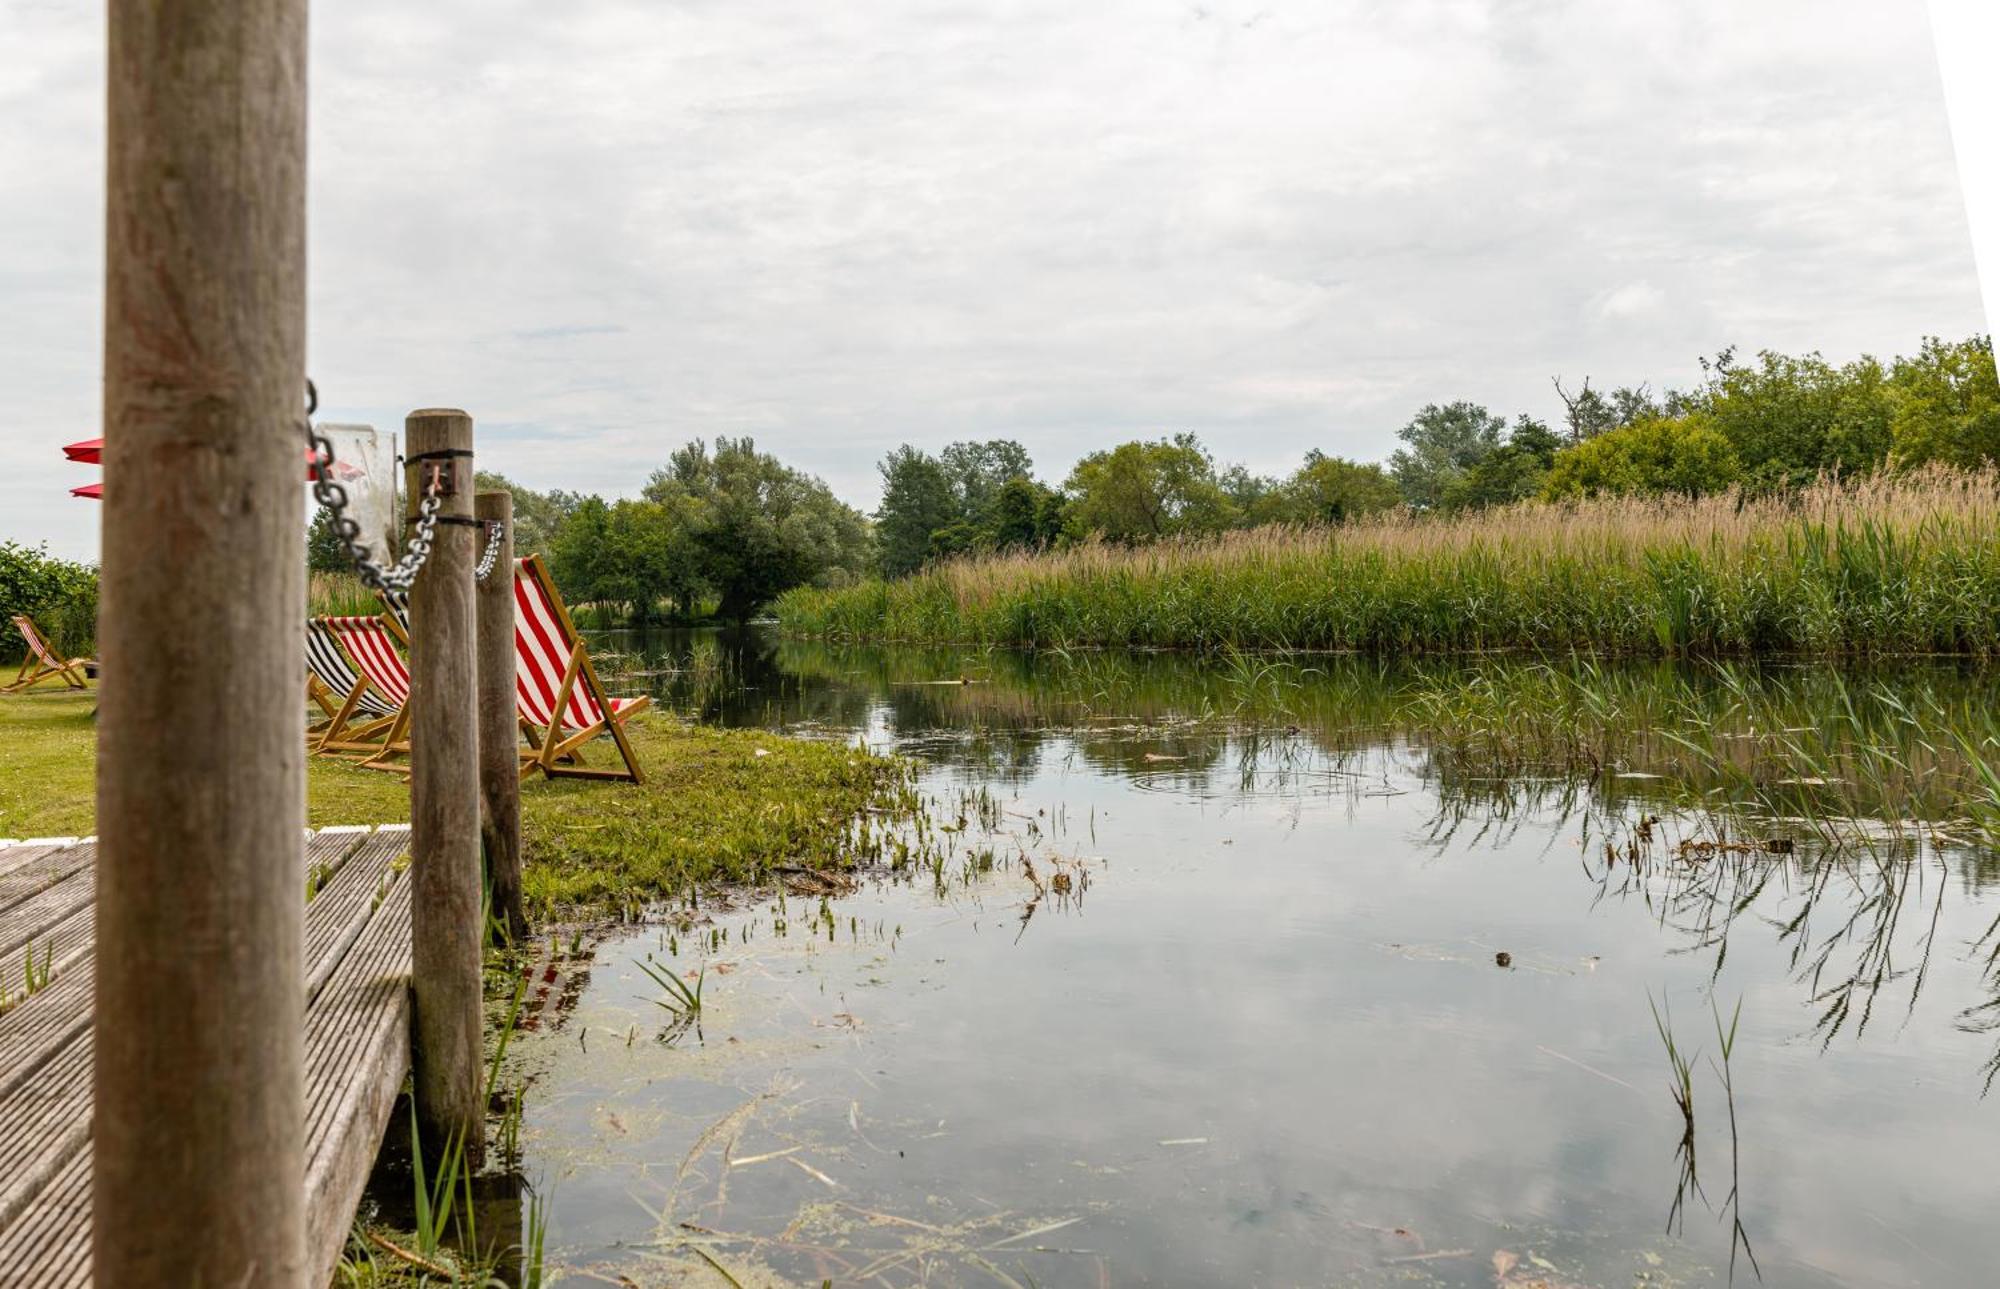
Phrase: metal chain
(494,531)
(330,495)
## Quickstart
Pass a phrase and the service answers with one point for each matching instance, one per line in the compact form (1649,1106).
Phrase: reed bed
(339,595)
(1895,564)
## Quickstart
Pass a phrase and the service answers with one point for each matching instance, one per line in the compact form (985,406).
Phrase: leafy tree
(918,500)
(977,471)
(1333,490)
(538,516)
(1587,412)
(1634,404)
(1444,442)
(1024,515)
(757,526)
(1510,473)
(579,558)
(1945,404)
(631,553)
(1790,419)
(1140,491)
(1253,498)
(1685,456)
(323,551)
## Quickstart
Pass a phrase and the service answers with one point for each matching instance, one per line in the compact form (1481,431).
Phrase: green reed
(1894,565)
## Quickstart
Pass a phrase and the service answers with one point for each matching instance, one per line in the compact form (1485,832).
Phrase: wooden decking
(356,1032)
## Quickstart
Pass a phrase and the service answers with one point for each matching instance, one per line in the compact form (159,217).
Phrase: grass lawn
(717,805)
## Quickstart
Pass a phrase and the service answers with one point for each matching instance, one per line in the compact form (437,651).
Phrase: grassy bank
(717,805)
(1904,565)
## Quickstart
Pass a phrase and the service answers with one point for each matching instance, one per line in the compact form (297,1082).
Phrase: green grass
(1894,565)
(717,805)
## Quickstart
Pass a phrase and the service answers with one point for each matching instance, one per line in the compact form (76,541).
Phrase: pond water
(1234,977)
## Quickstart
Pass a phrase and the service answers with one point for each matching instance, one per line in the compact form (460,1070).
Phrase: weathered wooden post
(444,788)
(199,1102)
(499,729)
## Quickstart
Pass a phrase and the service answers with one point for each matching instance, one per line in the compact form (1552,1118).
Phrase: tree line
(719,532)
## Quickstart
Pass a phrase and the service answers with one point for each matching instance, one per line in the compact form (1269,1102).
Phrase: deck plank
(20,881)
(34,916)
(357,1054)
(356,1027)
(16,853)
(33,1030)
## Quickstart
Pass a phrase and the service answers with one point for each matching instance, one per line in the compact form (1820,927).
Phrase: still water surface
(1311,1011)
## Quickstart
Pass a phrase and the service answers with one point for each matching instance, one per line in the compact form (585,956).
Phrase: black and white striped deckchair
(398,603)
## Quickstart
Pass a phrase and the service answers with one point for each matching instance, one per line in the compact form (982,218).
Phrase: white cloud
(611,227)
(1633,300)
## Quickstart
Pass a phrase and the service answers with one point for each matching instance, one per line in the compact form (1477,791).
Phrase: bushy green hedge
(59,594)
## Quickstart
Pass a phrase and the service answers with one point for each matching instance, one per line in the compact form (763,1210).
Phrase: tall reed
(1906,564)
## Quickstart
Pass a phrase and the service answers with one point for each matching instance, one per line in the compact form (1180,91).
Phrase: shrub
(59,594)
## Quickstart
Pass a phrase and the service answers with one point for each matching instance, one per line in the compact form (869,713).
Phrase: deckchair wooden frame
(376,740)
(554,749)
(42,663)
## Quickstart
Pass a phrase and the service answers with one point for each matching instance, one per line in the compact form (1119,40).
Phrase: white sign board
(364,463)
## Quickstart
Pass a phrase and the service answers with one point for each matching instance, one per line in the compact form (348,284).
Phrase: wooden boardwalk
(356,1031)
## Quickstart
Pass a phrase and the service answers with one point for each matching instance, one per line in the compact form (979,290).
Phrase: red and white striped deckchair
(341,693)
(561,702)
(371,644)
(42,662)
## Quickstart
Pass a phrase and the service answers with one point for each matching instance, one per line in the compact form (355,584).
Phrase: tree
(538,516)
(1510,473)
(1333,490)
(1685,456)
(1586,412)
(1254,498)
(1024,515)
(1790,419)
(978,469)
(759,527)
(1945,405)
(918,499)
(1444,442)
(578,559)
(1141,491)
(1634,404)
(324,553)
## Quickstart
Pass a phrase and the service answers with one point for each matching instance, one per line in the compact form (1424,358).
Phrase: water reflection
(1350,999)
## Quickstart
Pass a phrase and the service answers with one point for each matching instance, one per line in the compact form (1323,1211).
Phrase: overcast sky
(608,226)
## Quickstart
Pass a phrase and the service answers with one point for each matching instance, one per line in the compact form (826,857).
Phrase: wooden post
(197,1170)
(444,791)
(499,725)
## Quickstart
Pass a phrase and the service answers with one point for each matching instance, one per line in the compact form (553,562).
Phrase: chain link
(330,495)
(495,530)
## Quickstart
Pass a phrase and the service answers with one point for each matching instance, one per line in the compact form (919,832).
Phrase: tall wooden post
(199,1103)
(499,728)
(444,789)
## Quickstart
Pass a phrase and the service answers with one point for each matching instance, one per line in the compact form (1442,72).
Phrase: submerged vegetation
(1896,564)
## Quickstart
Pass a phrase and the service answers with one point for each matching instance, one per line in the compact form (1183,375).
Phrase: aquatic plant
(1893,564)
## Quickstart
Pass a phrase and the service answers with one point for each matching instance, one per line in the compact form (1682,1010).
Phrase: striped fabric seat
(327,664)
(368,642)
(561,701)
(373,650)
